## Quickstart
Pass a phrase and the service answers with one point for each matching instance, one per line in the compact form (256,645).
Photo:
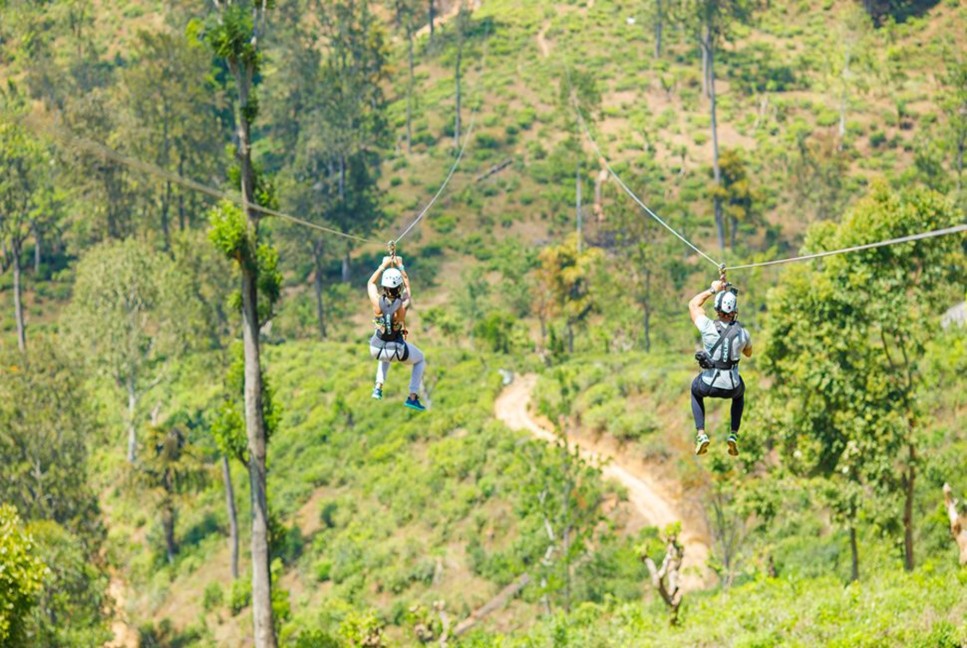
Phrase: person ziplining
(389,343)
(724,340)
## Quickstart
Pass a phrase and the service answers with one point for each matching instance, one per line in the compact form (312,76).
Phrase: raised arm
(406,287)
(696,304)
(372,289)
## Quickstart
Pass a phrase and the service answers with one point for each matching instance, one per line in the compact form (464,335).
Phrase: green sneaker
(378,392)
(414,404)
(701,444)
(733,442)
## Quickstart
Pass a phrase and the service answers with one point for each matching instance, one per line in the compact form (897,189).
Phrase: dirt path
(646,496)
(124,635)
(542,44)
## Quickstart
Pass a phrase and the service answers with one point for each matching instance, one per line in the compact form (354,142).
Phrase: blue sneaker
(378,392)
(414,404)
(701,444)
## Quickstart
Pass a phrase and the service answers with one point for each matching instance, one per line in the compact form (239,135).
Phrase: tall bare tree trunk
(909,480)
(659,24)
(168,517)
(38,240)
(647,311)
(854,555)
(346,267)
(317,250)
(456,123)
(254,423)
(181,198)
(232,515)
(430,16)
(577,204)
(130,385)
(409,89)
(961,149)
(165,226)
(717,172)
(18,307)
(705,66)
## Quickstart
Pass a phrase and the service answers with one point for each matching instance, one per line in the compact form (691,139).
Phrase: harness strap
(727,333)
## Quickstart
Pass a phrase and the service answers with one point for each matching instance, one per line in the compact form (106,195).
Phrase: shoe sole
(702,448)
(733,448)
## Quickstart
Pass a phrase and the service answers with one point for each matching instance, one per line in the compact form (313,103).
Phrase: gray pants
(386,357)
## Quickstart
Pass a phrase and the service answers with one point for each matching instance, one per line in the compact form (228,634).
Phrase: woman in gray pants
(390,299)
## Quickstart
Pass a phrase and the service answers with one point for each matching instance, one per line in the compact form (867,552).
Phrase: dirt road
(646,496)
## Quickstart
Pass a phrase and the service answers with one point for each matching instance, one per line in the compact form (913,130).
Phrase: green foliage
(214,596)
(845,343)
(241,596)
(229,232)
(170,470)
(228,423)
(22,574)
(231,36)
(75,589)
(45,425)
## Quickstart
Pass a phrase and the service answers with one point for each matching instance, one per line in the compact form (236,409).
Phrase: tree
(406,17)
(845,344)
(735,192)
(173,125)
(666,578)
(641,250)
(103,186)
(847,59)
(332,168)
(233,34)
(562,503)
(709,21)
(45,424)
(22,574)
(565,276)
(132,309)
(228,429)
(25,195)
(169,470)
(461,24)
(73,608)
(954,104)
(658,19)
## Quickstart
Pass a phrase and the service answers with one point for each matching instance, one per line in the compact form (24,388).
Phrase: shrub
(213,597)
(241,595)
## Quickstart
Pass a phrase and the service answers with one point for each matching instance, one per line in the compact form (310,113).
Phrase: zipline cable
(463,148)
(65,136)
(627,190)
(867,246)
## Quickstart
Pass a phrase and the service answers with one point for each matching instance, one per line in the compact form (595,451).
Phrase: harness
(392,335)
(727,334)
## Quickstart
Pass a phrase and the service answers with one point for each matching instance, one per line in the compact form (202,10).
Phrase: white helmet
(726,302)
(392,278)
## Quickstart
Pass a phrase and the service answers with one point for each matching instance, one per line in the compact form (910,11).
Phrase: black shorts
(702,390)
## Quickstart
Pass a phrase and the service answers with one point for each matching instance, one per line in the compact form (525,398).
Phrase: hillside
(123,417)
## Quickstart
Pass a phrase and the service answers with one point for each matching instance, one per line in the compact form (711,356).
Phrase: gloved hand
(389,262)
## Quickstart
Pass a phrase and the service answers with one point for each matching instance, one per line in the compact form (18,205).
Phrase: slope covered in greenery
(121,417)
